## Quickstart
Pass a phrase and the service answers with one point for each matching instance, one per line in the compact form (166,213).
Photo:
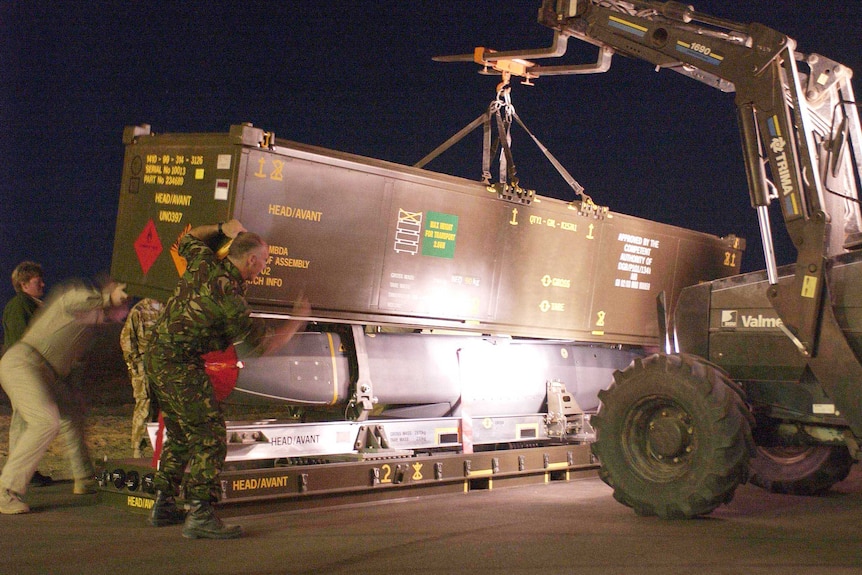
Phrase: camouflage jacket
(207,311)
(136,331)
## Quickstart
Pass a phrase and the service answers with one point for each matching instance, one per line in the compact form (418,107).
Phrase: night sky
(357,76)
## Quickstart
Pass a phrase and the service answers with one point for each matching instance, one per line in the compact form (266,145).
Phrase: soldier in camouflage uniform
(133,341)
(207,312)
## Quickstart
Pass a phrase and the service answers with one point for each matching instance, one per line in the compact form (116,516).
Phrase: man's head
(248,252)
(27,278)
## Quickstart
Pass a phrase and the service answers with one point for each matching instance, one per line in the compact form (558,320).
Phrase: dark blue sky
(356,76)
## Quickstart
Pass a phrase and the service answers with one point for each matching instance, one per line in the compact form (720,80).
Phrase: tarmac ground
(559,528)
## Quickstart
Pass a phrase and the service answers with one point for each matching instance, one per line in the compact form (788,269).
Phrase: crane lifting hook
(507,67)
(504,84)
(504,91)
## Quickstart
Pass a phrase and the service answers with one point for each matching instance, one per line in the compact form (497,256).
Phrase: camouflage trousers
(197,437)
(141,414)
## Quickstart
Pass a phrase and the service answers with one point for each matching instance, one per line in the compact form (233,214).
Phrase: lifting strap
(451,141)
(578,188)
(503,112)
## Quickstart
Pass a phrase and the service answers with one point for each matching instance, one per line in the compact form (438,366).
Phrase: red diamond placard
(148,247)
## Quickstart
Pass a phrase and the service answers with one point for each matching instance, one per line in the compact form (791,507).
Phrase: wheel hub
(668,435)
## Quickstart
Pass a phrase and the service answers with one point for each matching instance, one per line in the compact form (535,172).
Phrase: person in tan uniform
(133,340)
(34,372)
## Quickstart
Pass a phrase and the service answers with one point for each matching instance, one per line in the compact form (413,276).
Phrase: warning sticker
(221,189)
(148,247)
(179,261)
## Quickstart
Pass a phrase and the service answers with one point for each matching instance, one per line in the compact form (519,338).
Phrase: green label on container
(441,230)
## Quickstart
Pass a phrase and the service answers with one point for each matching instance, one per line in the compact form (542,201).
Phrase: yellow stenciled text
(259,483)
(173,199)
(139,502)
(296,213)
(171,217)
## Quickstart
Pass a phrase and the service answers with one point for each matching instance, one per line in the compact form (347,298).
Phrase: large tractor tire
(803,470)
(673,437)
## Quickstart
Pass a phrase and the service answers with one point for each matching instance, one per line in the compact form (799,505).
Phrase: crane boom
(797,119)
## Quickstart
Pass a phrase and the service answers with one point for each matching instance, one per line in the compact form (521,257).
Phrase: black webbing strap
(486,149)
(578,188)
(507,163)
(451,141)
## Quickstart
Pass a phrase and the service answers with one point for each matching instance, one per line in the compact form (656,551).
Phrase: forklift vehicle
(763,379)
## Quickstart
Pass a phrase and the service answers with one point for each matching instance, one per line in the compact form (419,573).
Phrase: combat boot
(165,511)
(202,523)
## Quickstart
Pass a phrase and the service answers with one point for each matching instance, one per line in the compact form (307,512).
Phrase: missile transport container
(372,243)
(379,243)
